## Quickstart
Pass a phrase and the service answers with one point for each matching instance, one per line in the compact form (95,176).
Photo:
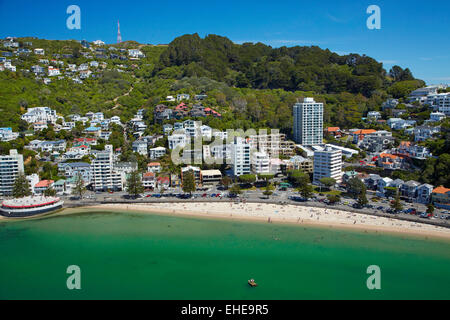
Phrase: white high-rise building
(327,164)
(104,177)
(443,104)
(308,122)
(10,167)
(240,157)
(260,162)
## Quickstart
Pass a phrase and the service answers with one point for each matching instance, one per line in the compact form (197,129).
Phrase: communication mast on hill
(119,36)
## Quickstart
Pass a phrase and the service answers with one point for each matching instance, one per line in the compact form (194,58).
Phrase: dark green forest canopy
(259,66)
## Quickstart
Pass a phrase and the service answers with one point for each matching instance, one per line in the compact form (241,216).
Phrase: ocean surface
(141,256)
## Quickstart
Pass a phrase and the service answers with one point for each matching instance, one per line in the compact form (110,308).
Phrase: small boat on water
(252,283)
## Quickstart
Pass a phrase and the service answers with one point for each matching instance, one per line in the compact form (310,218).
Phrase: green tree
(79,189)
(390,191)
(134,184)
(430,209)
(402,89)
(189,183)
(298,178)
(355,187)
(362,197)
(226,182)
(333,198)
(398,74)
(247,178)
(327,182)
(268,190)
(21,187)
(267,177)
(397,204)
(235,190)
(306,191)
(50,192)
(49,172)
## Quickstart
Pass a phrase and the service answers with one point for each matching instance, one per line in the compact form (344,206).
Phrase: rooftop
(44,184)
(211,172)
(30,201)
(387,155)
(365,131)
(441,190)
(154,164)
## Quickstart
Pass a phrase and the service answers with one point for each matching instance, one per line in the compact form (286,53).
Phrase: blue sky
(413,33)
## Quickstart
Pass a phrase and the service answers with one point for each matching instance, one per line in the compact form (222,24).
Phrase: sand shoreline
(289,214)
(273,213)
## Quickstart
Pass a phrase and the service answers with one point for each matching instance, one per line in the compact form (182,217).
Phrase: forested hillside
(259,66)
(252,85)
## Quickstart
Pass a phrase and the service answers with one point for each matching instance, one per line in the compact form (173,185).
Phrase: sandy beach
(271,213)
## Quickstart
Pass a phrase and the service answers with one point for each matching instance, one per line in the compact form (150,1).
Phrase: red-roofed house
(43,185)
(163,182)
(389,161)
(211,112)
(441,197)
(182,107)
(404,146)
(335,131)
(359,135)
(149,181)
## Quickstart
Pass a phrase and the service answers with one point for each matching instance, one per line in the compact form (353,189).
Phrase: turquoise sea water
(142,256)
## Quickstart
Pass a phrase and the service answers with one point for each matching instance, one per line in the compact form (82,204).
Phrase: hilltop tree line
(260,66)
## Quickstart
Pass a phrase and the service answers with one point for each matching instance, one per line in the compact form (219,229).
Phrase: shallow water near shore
(127,255)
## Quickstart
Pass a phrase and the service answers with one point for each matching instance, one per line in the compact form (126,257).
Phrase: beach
(299,215)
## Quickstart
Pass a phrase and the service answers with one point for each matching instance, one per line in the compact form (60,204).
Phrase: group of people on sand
(275,213)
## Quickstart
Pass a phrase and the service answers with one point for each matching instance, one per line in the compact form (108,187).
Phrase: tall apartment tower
(308,122)
(104,177)
(10,167)
(327,164)
(240,157)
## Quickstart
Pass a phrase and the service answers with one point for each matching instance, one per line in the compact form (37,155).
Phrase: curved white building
(29,206)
